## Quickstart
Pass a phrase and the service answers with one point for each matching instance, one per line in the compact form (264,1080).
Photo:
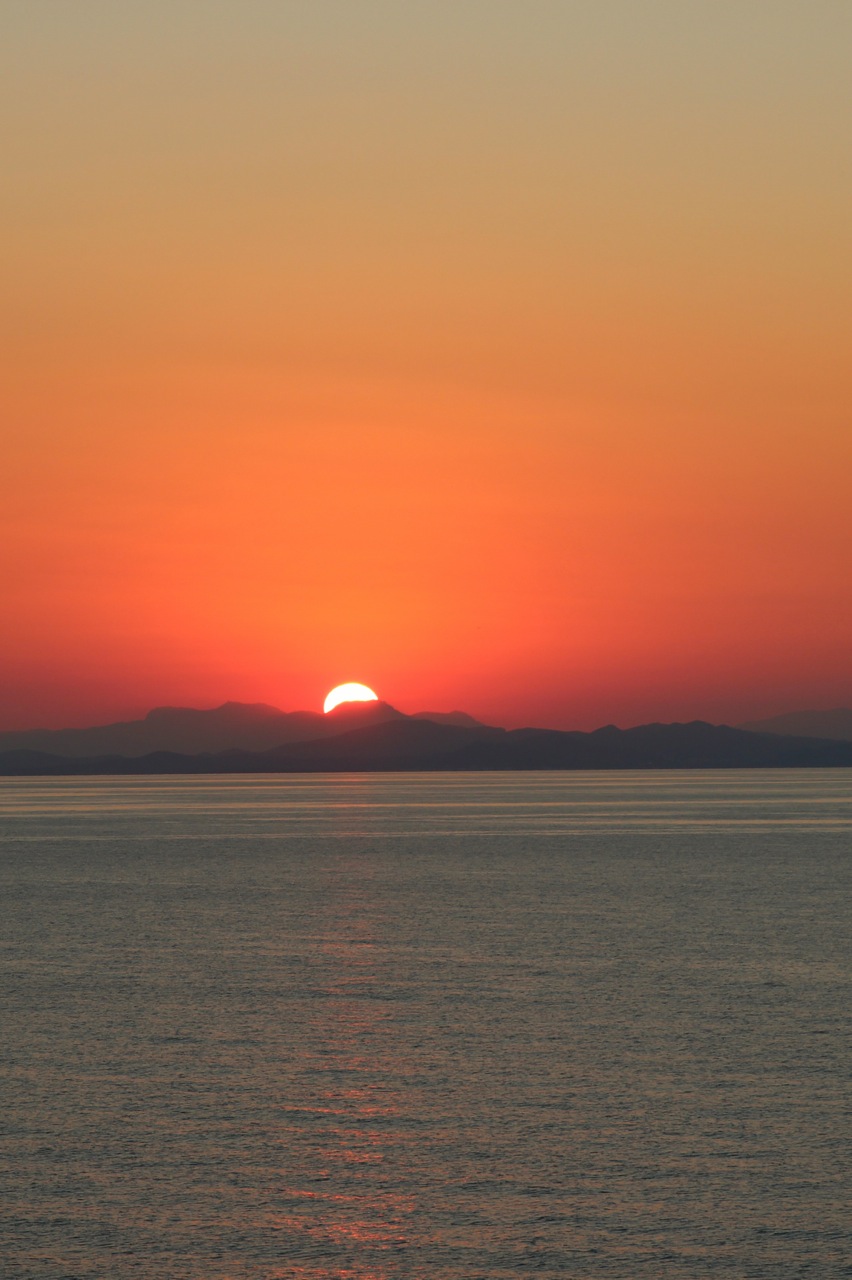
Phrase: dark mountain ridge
(386,742)
(246,726)
(836,723)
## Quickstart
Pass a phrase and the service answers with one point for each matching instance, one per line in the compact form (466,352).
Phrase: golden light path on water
(391,1027)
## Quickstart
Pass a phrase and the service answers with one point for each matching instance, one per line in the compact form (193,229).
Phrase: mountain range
(243,726)
(255,738)
(807,724)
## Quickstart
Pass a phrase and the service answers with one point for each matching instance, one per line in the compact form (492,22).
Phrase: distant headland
(373,736)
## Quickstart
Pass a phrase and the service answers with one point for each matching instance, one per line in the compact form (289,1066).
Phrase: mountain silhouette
(808,724)
(449,717)
(247,726)
(376,737)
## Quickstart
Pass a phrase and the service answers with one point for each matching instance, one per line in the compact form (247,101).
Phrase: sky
(494,354)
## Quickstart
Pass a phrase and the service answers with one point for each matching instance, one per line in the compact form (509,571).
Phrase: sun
(348,693)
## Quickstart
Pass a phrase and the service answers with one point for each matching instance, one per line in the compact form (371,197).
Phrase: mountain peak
(835,724)
(352,713)
(240,710)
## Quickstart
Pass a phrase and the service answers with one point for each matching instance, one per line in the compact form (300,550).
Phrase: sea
(455,1026)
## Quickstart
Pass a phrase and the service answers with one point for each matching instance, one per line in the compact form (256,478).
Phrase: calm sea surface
(446,1026)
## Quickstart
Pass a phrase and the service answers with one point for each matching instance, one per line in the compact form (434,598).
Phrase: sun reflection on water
(359,1211)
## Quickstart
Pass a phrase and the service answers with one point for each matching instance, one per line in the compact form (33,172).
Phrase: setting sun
(348,693)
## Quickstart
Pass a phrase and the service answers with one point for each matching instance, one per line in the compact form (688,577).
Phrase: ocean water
(448,1026)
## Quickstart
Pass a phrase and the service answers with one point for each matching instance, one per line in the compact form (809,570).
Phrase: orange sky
(494,355)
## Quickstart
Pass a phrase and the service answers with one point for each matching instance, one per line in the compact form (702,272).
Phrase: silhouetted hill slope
(24,764)
(807,724)
(407,743)
(235,725)
(654,746)
(460,718)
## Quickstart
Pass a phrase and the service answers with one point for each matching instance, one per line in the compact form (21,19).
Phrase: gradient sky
(494,354)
